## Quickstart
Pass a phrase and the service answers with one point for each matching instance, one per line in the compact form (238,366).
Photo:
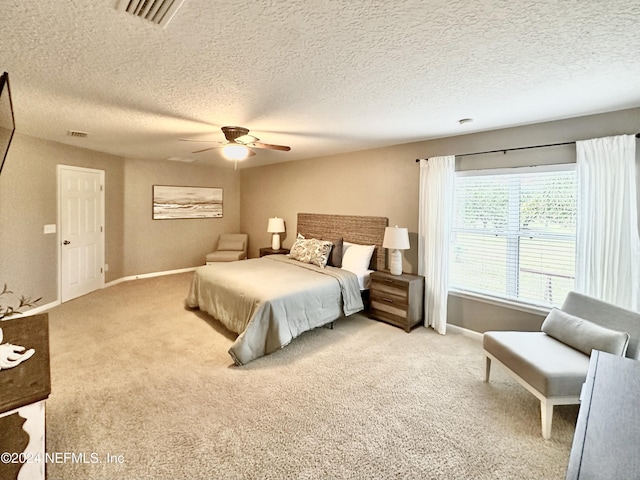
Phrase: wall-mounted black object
(7,124)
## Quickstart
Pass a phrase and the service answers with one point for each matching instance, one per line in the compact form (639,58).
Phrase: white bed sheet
(363,277)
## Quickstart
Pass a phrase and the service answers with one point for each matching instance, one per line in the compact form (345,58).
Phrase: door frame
(103,189)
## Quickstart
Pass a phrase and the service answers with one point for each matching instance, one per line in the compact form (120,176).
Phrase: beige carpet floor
(138,378)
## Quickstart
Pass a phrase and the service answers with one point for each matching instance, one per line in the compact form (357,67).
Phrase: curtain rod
(505,150)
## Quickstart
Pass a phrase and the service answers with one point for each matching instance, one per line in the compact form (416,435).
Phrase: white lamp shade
(276,225)
(396,238)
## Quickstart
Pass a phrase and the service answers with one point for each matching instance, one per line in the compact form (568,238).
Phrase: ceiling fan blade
(283,148)
(251,153)
(192,140)
(205,149)
(245,139)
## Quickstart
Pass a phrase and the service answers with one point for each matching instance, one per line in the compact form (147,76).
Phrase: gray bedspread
(269,301)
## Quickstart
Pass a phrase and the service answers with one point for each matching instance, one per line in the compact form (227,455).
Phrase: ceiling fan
(238,141)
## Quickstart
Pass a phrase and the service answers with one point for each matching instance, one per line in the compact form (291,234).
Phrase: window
(513,234)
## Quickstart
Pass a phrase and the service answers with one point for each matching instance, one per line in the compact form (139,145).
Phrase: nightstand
(397,299)
(271,251)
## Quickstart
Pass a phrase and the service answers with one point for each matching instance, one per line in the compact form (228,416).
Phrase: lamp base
(395,262)
(275,241)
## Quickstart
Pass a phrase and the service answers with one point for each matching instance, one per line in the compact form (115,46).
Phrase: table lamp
(275,226)
(396,239)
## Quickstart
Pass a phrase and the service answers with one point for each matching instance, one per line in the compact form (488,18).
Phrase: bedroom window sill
(522,307)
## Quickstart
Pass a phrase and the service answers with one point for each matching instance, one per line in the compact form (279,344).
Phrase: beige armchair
(231,247)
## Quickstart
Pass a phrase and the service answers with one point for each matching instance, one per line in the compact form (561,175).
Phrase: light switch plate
(50,228)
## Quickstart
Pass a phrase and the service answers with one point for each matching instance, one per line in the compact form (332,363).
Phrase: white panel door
(81,231)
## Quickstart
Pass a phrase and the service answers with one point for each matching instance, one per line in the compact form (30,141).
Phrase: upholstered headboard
(352,228)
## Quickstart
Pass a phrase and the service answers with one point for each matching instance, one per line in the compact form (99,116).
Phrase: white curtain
(607,243)
(434,230)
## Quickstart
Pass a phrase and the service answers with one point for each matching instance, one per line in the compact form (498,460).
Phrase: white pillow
(356,258)
(584,335)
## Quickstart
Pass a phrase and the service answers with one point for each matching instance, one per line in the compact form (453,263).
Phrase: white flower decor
(12,355)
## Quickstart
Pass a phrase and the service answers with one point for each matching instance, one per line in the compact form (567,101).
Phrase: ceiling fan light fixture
(236,152)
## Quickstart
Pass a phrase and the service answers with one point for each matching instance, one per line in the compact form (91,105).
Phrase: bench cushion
(549,366)
(584,335)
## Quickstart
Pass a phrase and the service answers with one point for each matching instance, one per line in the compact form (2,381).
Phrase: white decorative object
(11,355)
(275,226)
(396,239)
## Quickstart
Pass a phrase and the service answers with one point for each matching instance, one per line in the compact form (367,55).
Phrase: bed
(269,301)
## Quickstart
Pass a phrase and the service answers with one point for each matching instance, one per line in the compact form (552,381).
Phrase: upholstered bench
(553,363)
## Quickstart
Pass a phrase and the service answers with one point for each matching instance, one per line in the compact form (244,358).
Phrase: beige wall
(28,201)
(385,182)
(134,243)
(380,182)
(159,245)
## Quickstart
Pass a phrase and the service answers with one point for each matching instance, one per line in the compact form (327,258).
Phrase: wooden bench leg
(487,368)
(546,415)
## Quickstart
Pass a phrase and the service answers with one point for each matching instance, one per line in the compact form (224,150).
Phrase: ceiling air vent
(159,12)
(77,133)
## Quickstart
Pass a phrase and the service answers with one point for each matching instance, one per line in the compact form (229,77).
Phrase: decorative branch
(8,305)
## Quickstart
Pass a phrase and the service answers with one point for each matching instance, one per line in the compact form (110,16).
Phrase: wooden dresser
(23,391)
(397,299)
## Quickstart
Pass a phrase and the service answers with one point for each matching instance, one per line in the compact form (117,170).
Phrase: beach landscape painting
(170,202)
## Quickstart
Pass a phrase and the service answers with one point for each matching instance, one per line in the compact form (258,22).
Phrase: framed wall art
(170,202)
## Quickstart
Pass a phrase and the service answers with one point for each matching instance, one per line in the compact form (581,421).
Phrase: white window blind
(513,234)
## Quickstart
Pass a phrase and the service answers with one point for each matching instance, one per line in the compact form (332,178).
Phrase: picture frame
(178,202)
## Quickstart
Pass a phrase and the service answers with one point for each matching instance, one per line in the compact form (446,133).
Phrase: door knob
(66,242)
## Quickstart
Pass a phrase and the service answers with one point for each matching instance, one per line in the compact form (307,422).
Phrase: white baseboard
(40,309)
(465,331)
(48,306)
(148,275)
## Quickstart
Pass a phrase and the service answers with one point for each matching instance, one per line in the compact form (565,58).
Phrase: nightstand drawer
(394,297)
(394,320)
(390,288)
(385,306)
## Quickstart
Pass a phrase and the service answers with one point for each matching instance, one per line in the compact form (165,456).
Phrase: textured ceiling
(324,77)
